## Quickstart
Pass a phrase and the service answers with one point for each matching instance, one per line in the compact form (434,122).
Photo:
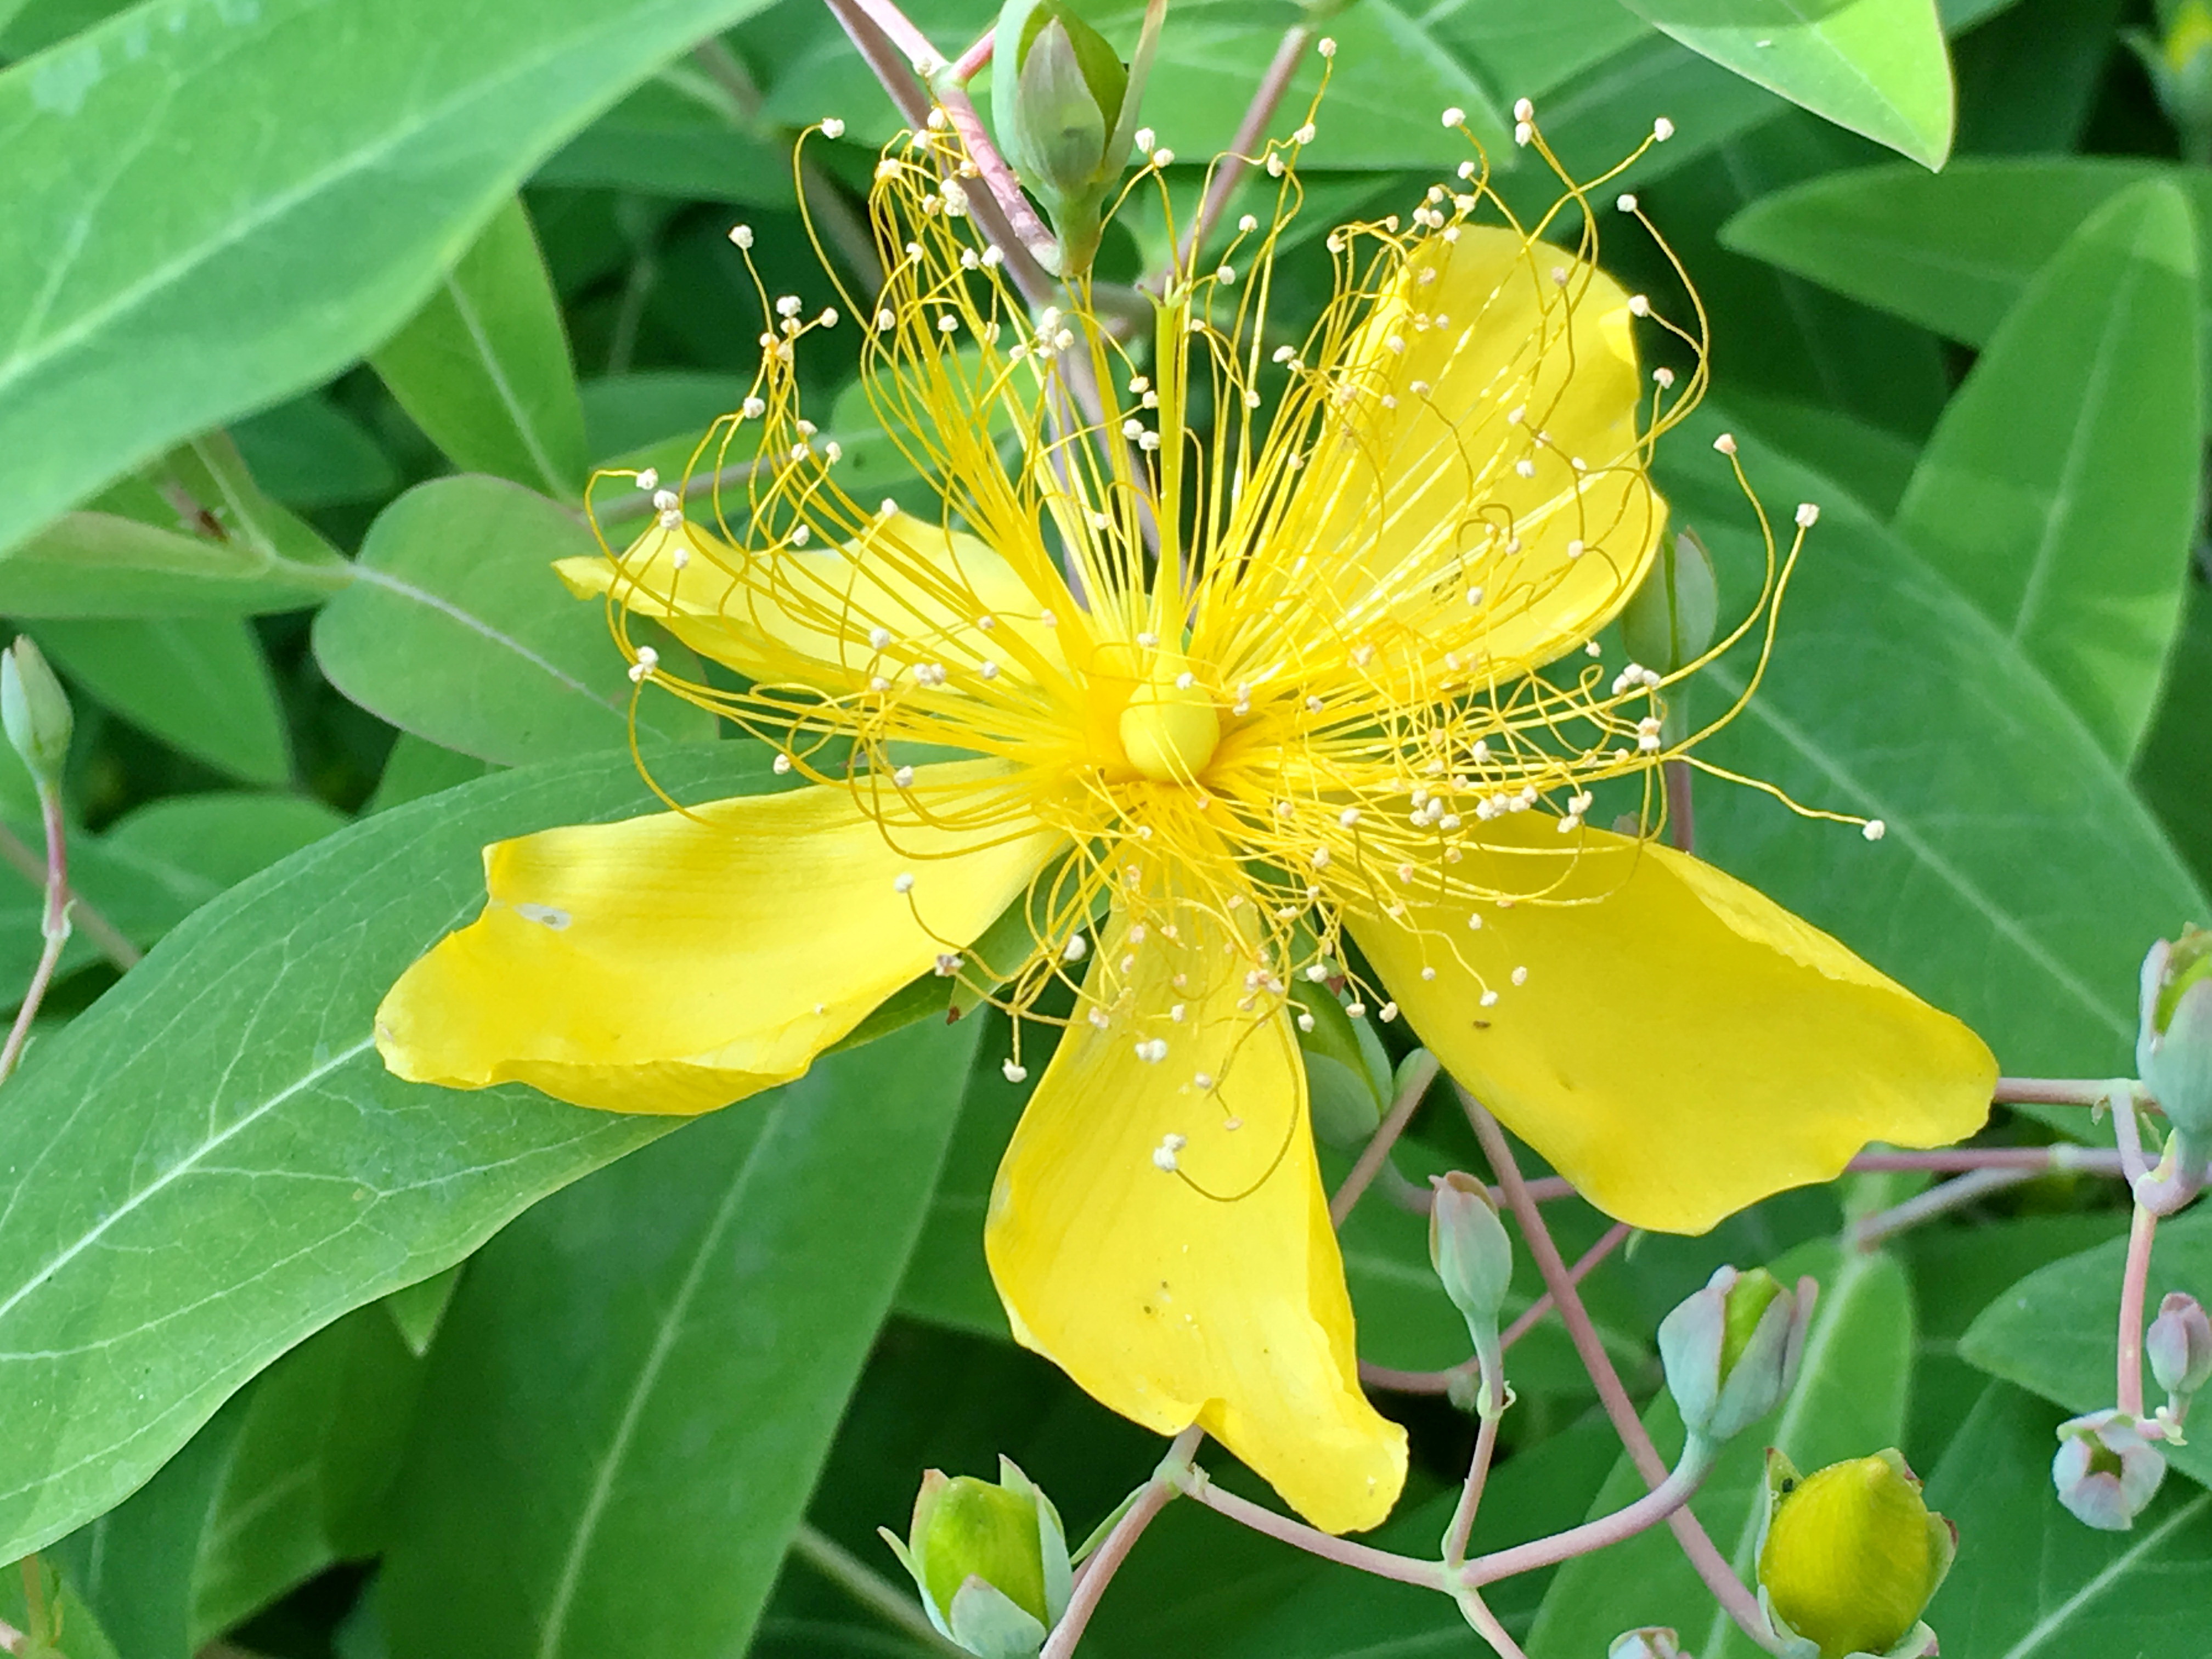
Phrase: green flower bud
(1347,1068)
(1848,1558)
(2179,1346)
(2105,1472)
(1473,1257)
(2179,63)
(991,1561)
(1065,106)
(1731,1351)
(1669,623)
(2174,1037)
(35,711)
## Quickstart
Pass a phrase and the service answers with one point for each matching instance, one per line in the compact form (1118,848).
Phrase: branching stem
(1418,1077)
(1098,1571)
(54,925)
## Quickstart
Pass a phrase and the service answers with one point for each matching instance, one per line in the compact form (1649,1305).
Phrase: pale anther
(742,235)
(1725,443)
(1015,1071)
(1626,202)
(1662,129)
(902,882)
(1873,830)
(781,765)
(1454,116)
(903,777)
(1809,514)
(649,479)
(1076,949)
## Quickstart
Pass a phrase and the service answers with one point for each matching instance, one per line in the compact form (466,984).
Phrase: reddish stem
(970,62)
(1428,1575)
(1681,813)
(1098,1571)
(55,925)
(1417,1079)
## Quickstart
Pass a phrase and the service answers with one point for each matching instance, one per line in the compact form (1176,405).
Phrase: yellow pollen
(1169,729)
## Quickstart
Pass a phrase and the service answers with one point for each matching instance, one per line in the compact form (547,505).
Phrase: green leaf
(199,683)
(418,1310)
(1952,252)
(1984,897)
(1877,67)
(678,137)
(191,847)
(2033,1583)
(2173,770)
(416,768)
(212,1163)
(2053,1331)
(1850,1400)
(638,1382)
(458,631)
(309,452)
(484,366)
(134,1565)
(628,412)
(358,152)
(2059,491)
(314,1458)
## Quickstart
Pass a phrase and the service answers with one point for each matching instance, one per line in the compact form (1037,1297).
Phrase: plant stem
(1470,1493)
(1664,1500)
(97,927)
(1229,171)
(2036,1160)
(870,1588)
(1098,1571)
(1477,1614)
(1417,1079)
(2058,1091)
(1937,1200)
(1403,1569)
(1005,188)
(54,925)
(1712,1567)
(970,62)
(924,59)
(2135,1292)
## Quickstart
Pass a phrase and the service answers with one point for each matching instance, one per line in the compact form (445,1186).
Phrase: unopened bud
(1848,1558)
(2174,1037)
(1064,104)
(1731,1351)
(1347,1068)
(2180,65)
(1670,622)
(990,1560)
(1473,1257)
(2179,1346)
(2105,1472)
(35,711)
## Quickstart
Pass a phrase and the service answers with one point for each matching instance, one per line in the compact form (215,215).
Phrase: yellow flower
(1285,701)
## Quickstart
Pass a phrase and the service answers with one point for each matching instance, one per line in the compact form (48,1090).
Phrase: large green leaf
(484,366)
(2059,491)
(199,683)
(213,1162)
(358,148)
(2053,1333)
(1888,694)
(1952,250)
(1875,66)
(458,631)
(2174,769)
(1850,1400)
(2033,1583)
(636,1386)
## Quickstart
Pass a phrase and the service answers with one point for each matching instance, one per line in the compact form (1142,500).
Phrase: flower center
(1169,728)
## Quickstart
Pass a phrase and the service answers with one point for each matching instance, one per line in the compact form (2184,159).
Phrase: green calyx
(1670,620)
(35,711)
(975,1529)
(2191,962)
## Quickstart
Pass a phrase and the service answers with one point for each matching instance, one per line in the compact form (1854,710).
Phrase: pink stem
(2034,1159)
(1663,1501)
(923,58)
(970,62)
(1937,1200)
(2053,1091)
(1005,188)
(1470,1494)
(55,925)
(2135,1292)
(1417,1079)
(1229,171)
(1712,1567)
(1098,1571)
(1403,1568)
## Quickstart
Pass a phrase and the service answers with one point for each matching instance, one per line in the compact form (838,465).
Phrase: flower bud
(1065,106)
(2105,1472)
(1731,1350)
(2179,1346)
(1653,1641)
(991,1562)
(1670,620)
(1848,1558)
(2180,65)
(1473,1257)
(35,711)
(2173,1037)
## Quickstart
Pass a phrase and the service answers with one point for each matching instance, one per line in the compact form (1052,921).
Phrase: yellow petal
(1682,1046)
(805,617)
(1412,495)
(1211,1293)
(676,963)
